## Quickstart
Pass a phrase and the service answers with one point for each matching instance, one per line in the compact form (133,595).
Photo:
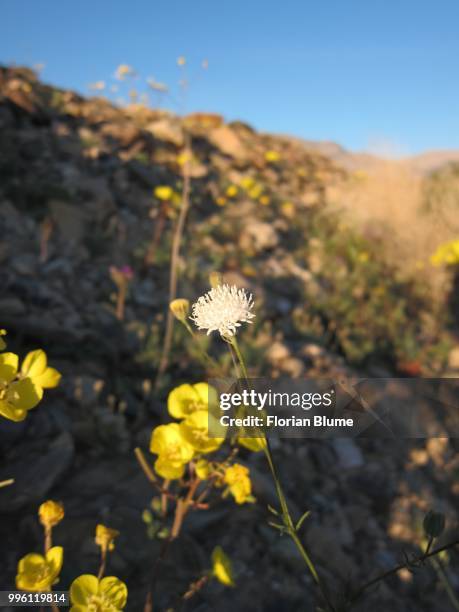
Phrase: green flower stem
(286,516)
(394,570)
(205,355)
(443,577)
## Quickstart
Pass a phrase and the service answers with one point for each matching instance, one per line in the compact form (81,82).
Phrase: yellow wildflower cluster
(255,190)
(176,444)
(169,197)
(272,156)
(21,389)
(446,254)
(38,573)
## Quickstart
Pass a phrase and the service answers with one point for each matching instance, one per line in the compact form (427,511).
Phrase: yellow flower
(265,200)
(446,254)
(172,449)
(363,257)
(238,480)
(272,156)
(255,191)
(16,396)
(203,469)
(222,568)
(163,192)
(253,444)
(50,513)
(183,158)
(89,594)
(195,430)
(37,572)
(2,342)
(288,209)
(231,191)
(220,201)
(186,399)
(105,537)
(247,182)
(180,308)
(35,367)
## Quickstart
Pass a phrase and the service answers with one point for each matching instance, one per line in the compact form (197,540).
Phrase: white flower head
(223,309)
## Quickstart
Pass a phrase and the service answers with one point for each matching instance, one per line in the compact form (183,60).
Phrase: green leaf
(302,519)
(280,528)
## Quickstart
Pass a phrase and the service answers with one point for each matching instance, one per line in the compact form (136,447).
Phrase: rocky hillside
(78,196)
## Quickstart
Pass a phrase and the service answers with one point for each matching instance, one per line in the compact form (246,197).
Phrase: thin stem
(48,538)
(151,476)
(103,563)
(181,509)
(395,569)
(120,301)
(443,577)
(175,253)
(144,465)
(47,546)
(164,497)
(286,516)
(429,544)
(207,358)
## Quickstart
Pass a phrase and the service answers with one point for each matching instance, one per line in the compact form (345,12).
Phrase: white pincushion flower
(223,309)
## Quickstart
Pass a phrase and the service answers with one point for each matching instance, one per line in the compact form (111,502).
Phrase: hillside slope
(78,195)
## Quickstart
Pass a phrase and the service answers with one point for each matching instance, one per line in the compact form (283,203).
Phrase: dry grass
(385,199)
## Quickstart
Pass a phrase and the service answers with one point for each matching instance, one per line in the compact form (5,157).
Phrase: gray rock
(35,471)
(348,453)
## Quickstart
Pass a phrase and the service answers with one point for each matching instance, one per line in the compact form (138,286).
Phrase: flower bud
(105,537)
(180,308)
(434,524)
(50,513)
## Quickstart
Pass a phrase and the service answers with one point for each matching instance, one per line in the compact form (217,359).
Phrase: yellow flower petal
(49,379)
(114,590)
(55,557)
(168,470)
(24,394)
(163,192)
(83,587)
(8,366)
(203,469)
(38,573)
(221,567)
(195,430)
(238,480)
(34,364)
(11,412)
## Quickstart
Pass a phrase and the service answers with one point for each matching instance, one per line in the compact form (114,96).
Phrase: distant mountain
(424,163)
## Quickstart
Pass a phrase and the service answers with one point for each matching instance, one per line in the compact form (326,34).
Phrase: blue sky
(368,74)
